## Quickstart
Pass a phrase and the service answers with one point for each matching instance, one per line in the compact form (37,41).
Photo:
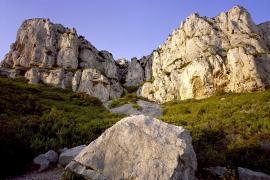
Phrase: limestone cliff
(204,55)
(227,53)
(52,54)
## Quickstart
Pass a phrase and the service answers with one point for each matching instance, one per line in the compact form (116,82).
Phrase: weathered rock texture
(227,53)
(52,54)
(205,55)
(139,71)
(138,147)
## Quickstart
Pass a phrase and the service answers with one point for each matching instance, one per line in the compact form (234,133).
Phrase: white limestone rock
(135,74)
(138,147)
(205,55)
(50,53)
(94,83)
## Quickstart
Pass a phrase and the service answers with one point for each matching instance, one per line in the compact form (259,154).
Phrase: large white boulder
(138,147)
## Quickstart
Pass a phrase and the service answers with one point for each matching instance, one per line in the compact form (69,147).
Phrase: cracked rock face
(52,54)
(138,147)
(205,55)
(139,71)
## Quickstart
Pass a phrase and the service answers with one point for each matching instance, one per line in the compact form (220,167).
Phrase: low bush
(36,118)
(227,129)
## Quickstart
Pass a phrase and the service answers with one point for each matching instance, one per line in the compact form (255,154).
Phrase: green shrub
(129,98)
(37,118)
(136,106)
(227,129)
(68,175)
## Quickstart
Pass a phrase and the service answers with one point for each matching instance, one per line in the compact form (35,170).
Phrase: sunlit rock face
(228,53)
(52,54)
(138,147)
(204,55)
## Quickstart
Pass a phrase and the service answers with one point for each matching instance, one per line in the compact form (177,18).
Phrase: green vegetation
(136,106)
(131,89)
(36,118)
(129,98)
(227,130)
(68,175)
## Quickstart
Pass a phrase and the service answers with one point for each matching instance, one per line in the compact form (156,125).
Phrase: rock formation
(139,71)
(204,55)
(228,53)
(52,54)
(138,147)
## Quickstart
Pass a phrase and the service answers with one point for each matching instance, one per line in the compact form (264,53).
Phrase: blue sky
(126,28)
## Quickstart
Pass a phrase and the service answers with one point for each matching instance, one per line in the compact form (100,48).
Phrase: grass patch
(36,118)
(129,98)
(227,130)
(136,106)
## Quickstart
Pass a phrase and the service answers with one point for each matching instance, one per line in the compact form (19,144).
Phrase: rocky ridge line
(227,53)
(49,53)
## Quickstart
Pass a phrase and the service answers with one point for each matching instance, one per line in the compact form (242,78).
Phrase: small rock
(247,174)
(52,156)
(70,154)
(42,161)
(217,171)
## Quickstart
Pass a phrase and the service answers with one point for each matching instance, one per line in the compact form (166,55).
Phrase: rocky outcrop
(204,55)
(139,70)
(138,147)
(52,54)
(228,53)
(94,83)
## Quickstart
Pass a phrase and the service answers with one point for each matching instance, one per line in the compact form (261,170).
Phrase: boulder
(247,174)
(69,154)
(44,160)
(138,147)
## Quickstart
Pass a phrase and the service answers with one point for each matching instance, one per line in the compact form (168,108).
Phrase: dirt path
(51,174)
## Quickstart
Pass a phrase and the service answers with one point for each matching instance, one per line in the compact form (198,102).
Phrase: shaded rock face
(52,54)
(138,147)
(205,55)
(247,174)
(138,71)
(94,83)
